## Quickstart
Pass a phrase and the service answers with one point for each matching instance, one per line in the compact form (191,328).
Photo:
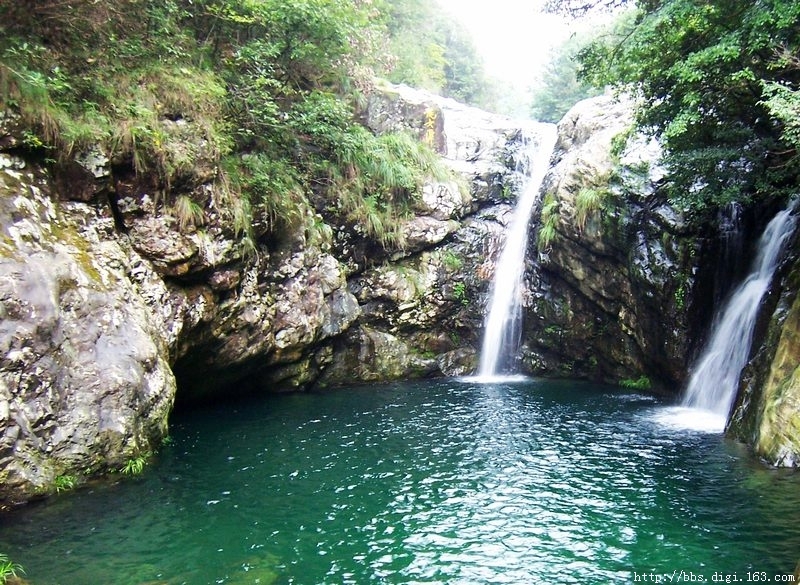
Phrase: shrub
(65,483)
(641,383)
(8,569)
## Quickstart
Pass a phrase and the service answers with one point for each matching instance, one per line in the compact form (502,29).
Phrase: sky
(512,36)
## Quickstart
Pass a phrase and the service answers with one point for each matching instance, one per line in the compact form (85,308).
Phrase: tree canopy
(559,87)
(718,82)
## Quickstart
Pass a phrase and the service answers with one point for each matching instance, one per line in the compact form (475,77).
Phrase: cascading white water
(715,378)
(502,324)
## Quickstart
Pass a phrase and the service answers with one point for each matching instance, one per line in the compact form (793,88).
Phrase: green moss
(452,261)
(80,249)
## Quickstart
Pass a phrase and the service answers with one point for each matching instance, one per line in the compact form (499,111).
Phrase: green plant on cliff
(452,261)
(640,383)
(64,483)
(549,221)
(134,465)
(8,569)
(460,293)
(587,202)
(378,180)
(188,213)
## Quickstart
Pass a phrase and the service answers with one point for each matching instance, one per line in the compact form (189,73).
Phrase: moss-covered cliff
(767,412)
(619,269)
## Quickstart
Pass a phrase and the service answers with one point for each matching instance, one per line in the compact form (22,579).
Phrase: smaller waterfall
(715,379)
(502,325)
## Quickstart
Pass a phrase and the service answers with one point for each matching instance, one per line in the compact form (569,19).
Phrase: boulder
(85,382)
(612,294)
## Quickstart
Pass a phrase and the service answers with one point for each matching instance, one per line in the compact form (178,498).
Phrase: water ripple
(439,482)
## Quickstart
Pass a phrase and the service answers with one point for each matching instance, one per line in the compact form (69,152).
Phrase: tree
(700,70)
(559,87)
(431,51)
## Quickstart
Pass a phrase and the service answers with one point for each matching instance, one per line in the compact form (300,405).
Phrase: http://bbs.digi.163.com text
(686,576)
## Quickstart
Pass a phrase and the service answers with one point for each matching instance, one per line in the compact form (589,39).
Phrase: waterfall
(715,378)
(502,325)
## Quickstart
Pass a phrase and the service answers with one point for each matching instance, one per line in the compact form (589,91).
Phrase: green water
(426,482)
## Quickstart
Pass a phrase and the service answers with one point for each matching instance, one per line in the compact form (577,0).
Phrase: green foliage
(548,221)
(452,261)
(265,87)
(783,102)
(8,569)
(134,465)
(274,196)
(709,78)
(460,293)
(587,201)
(188,213)
(680,296)
(559,87)
(431,50)
(641,383)
(381,179)
(65,483)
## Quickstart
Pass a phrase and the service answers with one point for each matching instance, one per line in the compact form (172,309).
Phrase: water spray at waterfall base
(503,321)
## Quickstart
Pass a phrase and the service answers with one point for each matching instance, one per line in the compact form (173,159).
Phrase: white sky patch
(514,37)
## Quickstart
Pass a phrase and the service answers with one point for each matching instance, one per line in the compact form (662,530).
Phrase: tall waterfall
(502,325)
(715,379)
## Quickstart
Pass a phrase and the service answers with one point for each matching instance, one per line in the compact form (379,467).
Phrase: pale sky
(513,36)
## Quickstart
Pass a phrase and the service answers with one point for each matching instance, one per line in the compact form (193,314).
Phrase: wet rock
(766,414)
(459,362)
(612,293)
(85,381)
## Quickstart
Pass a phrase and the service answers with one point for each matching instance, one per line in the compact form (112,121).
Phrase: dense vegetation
(718,82)
(273,89)
(269,91)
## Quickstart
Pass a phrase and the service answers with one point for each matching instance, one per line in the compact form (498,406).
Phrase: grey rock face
(613,289)
(103,306)
(85,382)
(107,293)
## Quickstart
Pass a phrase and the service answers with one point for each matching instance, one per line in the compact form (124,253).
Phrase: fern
(587,201)
(549,221)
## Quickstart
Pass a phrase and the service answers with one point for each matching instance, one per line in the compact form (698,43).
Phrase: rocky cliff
(114,293)
(617,290)
(767,411)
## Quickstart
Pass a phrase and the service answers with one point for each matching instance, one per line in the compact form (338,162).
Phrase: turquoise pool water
(445,481)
